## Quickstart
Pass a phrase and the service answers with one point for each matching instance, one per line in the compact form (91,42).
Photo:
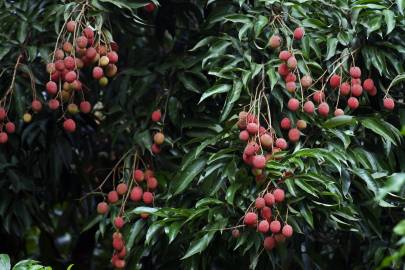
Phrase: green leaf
(199,245)
(394,183)
(331,47)
(186,176)
(216,89)
(5,262)
(340,121)
(389,17)
(386,130)
(232,97)
(400,5)
(400,228)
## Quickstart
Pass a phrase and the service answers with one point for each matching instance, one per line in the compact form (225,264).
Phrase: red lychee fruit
(353,103)
(266,213)
(388,103)
(85,107)
(3,113)
(147,197)
(355,72)
(298,33)
(287,231)
(250,219)
(122,253)
(119,222)
(368,85)
(59,54)
(118,243)
(102,208)
(294,135)
(373,92)
(51,88)
(252,128)
(263,226)
(148,173)
(91,53)
(98,73)
(275,226)
(309,107)
(269,199)
(122,188)
(323,109)
(285,123)
(235,233)
(70,76)
(113,57)
(88,32)
(339,112)
(10,127)
(281,143)
(36,105)
(136,194)
(139,175)
(345,89)
(152,183)
(357,90)
(53,104)
(156,115)
(319,96)
(306,81)
(291,86)
(120,264)
(60,65)
(280,238)
(279,195)
(3,137)
(301,124)
(292,62)
(354,81)
(69,125)
(259,161)
(284,55)
(290,78)
(283,70)
(334,81)
(112,196)
(155,148)
(82,42)
(70,26)
(159,138)
(293,104)
(149,7)
(69,62)
(275,41)
(266,140)
(244,136)
(269,243)
(260,203)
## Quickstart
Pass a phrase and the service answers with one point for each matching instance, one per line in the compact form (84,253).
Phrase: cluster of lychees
(158,137)
(80,47)
(6,126)
(138,190)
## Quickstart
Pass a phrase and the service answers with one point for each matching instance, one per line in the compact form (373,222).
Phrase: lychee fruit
(339,112)
(306,81)
(88,32)
(97,73)
(281,143)
(102,208)
(355,72)
(10,127)
(85,107)
(250,219)
(294,135)
(357,90)
(51,87)
(275,226)
(301,124)
(113,57)
(298,33)
(156,115)
(27,117)
(159,138)
(53,104)
(139,175)
(269,199)
(59,54)
(263,226)
(112,196)
(91,53)
(284,55)
(368,85)
(279,195)
(152,183)
(69,125)
(235,233)
(111,70)
(291,86)
(293,104)
(252,128)
(285,123)
(266,213)
(319,96)
(290,78)
(292,62)
(266,140)
(67,47)
(147,197)
(353,103)
(3,137)
(345,89)
(334,81)
(122,188)
(70,26)
(82,42)
(260,203)
(155,148)
(36,105)
(119,222)
(259,161)
(275,41)
(389,103)
(269,243)
(118,243)
(136,194)
(244,135)
(323,109)
(287,231)
(309,107)
(283,70)
(70,76)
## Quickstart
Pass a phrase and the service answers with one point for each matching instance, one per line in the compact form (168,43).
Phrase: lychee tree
(261,121)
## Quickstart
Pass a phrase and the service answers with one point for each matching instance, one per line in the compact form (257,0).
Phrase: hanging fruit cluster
(79,46)
(158,137)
